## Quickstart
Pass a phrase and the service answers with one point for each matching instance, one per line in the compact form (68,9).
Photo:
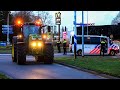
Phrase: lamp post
(8,42)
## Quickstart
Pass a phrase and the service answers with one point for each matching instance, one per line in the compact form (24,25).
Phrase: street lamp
(8,42)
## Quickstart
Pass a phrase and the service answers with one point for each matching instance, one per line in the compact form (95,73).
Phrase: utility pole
(87,22)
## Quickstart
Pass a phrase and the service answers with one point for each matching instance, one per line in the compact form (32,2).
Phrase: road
(41,71)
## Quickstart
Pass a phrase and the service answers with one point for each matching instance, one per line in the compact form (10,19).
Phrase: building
(106,30)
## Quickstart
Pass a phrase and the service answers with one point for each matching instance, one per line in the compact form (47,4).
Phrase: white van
(92,45)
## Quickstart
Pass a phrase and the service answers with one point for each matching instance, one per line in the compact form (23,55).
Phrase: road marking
(5,54)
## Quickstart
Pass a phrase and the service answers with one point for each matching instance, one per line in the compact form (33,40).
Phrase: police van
(92,45)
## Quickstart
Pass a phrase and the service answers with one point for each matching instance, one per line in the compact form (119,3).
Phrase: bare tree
(46,17)
(116,20)
(27,16)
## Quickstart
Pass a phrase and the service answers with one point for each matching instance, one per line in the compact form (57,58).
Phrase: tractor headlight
(19,36)
(39,44)
(34,44)
(44,36)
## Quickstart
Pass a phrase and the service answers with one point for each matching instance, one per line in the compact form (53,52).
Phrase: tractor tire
(49,54)
(39,58)
(21,53)
(14,49)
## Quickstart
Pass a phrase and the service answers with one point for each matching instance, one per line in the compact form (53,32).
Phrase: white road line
(5,54)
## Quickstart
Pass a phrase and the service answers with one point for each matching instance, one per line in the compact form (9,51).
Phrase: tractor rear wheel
(21,53)
(49,54)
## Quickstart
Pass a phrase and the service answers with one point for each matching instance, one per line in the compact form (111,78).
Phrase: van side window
(95,40)
(86,40)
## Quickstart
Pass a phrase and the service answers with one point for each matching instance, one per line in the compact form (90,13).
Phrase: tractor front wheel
(49,54)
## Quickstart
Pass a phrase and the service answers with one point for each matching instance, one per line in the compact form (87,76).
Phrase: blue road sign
(5,29)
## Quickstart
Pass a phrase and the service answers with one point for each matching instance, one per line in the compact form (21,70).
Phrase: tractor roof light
(38,22)
(19,22)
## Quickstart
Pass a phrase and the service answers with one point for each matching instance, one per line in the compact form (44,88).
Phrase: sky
(97,17)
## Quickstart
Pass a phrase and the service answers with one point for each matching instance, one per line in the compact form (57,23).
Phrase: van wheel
(79,52)
(112,53)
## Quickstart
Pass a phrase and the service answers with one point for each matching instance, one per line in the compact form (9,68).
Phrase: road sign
(64,35)
(58,18)
(89,24)
(5,29)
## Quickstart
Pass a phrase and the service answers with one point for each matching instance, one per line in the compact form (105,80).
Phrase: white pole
(8,29)
(87,22)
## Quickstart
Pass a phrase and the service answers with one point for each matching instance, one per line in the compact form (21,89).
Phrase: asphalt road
(41,71)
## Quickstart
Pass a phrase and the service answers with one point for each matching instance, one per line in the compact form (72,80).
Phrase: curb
(89,71)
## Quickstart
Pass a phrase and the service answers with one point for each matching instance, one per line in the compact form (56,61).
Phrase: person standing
(58,46)
(103,46)
(64,47)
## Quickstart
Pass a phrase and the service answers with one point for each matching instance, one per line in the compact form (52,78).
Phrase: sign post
(82,33)
(75,39)
(58,22)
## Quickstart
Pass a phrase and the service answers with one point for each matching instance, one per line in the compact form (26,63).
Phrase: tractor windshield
(30,29)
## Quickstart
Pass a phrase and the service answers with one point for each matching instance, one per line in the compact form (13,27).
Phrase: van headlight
(118,47)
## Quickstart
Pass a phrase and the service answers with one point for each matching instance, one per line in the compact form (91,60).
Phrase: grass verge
(2,76)
(104,65)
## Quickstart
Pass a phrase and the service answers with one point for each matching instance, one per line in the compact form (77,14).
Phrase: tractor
(32,39)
